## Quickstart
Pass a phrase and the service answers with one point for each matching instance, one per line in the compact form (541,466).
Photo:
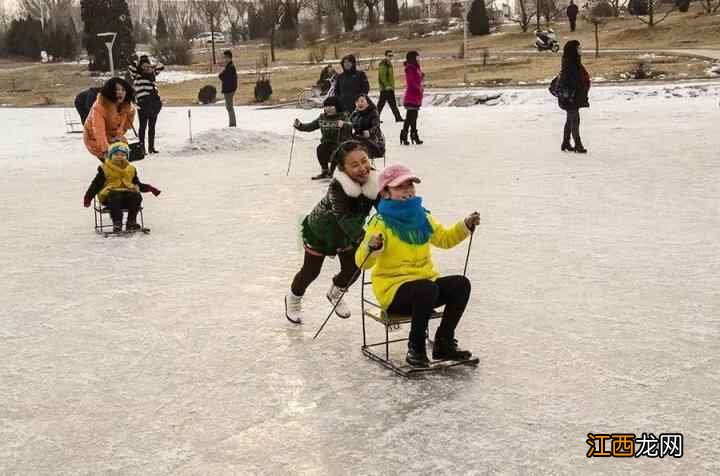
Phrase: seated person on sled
(397,247)
(117,186)
(366,126)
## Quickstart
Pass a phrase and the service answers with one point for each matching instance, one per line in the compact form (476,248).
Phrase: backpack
(553,88)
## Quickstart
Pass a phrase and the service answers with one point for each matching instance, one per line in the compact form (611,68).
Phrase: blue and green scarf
(407,219)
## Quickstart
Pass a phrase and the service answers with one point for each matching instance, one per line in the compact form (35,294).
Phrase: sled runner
(100,227)
(72,124)
(370,309)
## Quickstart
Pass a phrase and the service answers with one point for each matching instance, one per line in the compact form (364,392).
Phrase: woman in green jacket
(397,248)
(335,227)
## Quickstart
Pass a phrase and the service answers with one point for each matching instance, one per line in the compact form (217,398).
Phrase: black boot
(580,149)
(447,349)
(322,175)
(567,147)
(117,226)
(417,356)
(404,137)
(415,139)
(132,225)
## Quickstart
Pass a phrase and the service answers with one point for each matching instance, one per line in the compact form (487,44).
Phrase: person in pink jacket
(413,98)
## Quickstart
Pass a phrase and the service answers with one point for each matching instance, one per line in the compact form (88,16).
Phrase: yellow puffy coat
(399,262)
(119,175)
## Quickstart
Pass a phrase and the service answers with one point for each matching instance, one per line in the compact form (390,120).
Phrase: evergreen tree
(101,16)
(392,12)
(478,21)
(161,31)
(25,38)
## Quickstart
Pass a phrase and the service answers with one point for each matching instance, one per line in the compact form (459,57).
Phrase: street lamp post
(109,44)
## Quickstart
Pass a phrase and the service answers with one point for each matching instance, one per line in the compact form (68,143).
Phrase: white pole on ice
(109,44)
(190,124)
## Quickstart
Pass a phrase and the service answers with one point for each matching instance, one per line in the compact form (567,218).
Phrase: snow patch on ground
(713,70)
(174,77)
(228,139)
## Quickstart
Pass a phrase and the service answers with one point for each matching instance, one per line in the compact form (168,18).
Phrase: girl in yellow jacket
(117,186)
(397,248)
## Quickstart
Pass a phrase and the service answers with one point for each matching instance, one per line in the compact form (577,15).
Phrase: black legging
(145,121)
(313,264)
(572,127)
(324,153)
(419,298)
(411,117)
(117,201)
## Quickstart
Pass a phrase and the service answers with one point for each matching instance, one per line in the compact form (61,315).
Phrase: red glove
(153,190)
(86,201)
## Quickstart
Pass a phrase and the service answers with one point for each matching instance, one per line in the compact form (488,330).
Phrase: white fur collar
(354,189)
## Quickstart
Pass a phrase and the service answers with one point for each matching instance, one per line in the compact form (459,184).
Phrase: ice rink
(595,304)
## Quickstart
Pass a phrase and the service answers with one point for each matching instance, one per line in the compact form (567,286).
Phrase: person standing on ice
(397,249)
(366,126)
(386,80)
(335,127)
(573,86)
(350,83)
(118,187)
(412,101)
(335,227)
(147,98)
(228,76)
(110,118)
(572,12)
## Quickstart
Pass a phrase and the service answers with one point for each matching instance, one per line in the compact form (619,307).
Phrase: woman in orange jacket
(110,117)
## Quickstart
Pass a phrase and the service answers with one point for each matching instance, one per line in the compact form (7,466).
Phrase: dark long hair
(571,56)
(108,90)
(411,57)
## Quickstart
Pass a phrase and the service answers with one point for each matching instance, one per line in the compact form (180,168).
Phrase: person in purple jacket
(413,98)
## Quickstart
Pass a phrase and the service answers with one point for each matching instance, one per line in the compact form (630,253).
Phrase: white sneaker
(293,308)
(334,294)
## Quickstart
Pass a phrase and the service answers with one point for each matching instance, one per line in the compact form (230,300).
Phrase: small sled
(370,309)
(100,227)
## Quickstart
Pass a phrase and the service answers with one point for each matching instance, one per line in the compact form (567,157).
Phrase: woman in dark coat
(366,126)
(573,87)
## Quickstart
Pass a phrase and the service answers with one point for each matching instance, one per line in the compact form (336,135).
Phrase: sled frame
(101,210)
(72,125)
(372,310)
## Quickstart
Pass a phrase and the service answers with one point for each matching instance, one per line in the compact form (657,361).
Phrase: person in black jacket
(350,83)
(229,86)
(84,102)
(573,86)
(572,13)
(366,126)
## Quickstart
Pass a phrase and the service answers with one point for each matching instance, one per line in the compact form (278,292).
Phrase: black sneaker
(447,349)
(417,357)
(132,226)
(117,227)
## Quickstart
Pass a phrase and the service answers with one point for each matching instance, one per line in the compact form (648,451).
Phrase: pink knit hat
(394,175)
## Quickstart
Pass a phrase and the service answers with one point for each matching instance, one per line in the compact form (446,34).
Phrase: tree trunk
(597,40)
(272,43)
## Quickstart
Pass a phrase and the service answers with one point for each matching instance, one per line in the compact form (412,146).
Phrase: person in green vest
(386,79)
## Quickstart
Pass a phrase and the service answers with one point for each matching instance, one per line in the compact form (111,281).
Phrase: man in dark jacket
(229,85)
(350,83)
(572,13)
(84,102)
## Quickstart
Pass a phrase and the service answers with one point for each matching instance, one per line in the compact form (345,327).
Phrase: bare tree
(272,12)
(181,17)
(710,6)
(651,20)
(235,12)
(46,10)
(597,22)
(349,13)
(372,6)
(213,10)
(526,14)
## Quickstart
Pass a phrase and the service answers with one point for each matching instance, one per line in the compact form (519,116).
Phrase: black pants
(388,96)
(324,153)
(572,127)
(573,22)
(313,264)
(411,117)
(419,298)
(117,201)
(147,120)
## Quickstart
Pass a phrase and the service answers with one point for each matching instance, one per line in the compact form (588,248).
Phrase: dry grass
(31,84)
